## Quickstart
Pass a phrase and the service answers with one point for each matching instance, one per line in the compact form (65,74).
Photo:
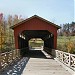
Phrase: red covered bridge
(36,62)
(35,27)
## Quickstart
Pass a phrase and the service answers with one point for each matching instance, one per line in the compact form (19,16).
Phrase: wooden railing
(66,58)
(8,58)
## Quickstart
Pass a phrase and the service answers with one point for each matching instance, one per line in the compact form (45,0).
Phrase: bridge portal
(35,27)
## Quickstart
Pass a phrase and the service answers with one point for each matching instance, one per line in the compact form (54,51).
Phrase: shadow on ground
(16,68)
(35,54)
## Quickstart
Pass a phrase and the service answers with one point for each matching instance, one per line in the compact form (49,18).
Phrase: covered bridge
(35,27)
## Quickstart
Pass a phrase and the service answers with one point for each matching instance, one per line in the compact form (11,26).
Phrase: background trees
(66,38)
(6,34)
(67,29)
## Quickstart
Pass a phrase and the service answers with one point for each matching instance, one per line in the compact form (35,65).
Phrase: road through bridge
(43,64)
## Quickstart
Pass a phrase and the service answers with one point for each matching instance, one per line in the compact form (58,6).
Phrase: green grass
(36,43)
(64,39)
(32,44)
(62,42)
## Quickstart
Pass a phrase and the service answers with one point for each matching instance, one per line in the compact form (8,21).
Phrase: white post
(62,56)
(56,54)
(69,59)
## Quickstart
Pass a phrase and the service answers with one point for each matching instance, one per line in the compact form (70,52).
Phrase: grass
(64,38)
(63,41)
(36,43)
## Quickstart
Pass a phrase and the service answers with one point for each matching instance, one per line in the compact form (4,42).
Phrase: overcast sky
(57,11)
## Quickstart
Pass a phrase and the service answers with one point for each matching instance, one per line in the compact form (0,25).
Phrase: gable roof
(58,27)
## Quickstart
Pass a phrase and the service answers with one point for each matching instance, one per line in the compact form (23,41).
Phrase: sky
(56,11)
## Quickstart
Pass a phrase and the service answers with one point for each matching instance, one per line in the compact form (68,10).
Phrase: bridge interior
(26,35)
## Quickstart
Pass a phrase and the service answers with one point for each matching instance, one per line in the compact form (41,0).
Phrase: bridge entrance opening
(26,36)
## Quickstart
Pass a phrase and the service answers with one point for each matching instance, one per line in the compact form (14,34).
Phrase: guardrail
(8,57)
(66,58)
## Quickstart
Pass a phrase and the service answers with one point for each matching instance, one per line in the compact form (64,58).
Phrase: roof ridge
(34,17)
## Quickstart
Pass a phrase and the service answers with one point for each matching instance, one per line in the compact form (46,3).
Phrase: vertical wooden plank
(7,56)
(16,53)
(12,55)
(62,56)
(69,59)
